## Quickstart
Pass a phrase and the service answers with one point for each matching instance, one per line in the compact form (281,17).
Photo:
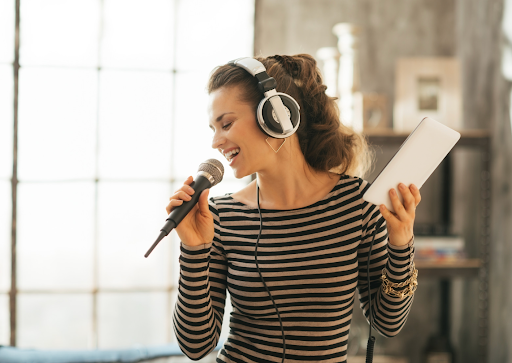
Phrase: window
(111,118)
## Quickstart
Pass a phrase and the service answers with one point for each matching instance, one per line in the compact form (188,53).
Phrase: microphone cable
(261,276)
(371,339)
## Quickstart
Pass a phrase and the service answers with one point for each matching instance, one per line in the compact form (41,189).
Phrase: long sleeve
(199,309)
(389,313)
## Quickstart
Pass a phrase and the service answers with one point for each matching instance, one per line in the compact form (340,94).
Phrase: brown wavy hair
(327,144)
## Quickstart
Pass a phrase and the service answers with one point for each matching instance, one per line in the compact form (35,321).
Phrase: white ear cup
(270,121)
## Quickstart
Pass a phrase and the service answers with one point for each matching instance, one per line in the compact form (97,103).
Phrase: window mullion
(14,179)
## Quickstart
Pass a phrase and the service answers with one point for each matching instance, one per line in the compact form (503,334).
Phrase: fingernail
(393,192)
(191,190)
(401,186)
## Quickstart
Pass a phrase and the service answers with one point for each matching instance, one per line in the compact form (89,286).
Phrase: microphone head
(214,168)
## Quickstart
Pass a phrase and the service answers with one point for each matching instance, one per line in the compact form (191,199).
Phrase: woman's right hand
(197,226)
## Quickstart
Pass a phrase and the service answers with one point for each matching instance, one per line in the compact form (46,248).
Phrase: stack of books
(439,248)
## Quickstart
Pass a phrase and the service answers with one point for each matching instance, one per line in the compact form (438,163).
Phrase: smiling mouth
(231,154)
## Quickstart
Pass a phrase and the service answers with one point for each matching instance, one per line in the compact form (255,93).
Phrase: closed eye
(227,126)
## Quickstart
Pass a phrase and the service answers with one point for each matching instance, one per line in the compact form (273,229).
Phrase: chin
(241,173)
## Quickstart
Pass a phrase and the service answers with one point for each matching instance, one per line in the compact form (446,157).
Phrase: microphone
(210,173)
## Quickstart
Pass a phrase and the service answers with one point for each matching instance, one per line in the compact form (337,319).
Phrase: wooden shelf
(448,269)
(389,137)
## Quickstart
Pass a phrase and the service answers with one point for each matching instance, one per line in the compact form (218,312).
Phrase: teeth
(231,154)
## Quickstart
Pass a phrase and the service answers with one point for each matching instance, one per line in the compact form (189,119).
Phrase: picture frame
(427,87)
(375,112)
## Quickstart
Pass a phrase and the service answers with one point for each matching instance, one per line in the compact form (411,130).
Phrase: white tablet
(418,157)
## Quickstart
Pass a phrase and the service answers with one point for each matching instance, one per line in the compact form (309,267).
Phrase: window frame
(14,292)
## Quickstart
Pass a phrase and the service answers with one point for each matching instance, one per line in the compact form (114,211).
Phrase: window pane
(6,107)
(174,246)
(7,13)
(135,125)
(130,216)
(59,32)
(140,36)
(4,320)
(57,124)
(191,149)
(192,139)
(132,319)
(5,236)
(221,31)
(55,235)
(54,321)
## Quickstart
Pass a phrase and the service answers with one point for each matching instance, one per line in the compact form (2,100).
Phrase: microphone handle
(199,184)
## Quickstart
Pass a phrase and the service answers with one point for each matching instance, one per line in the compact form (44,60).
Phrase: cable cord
(371,339)
(261,276)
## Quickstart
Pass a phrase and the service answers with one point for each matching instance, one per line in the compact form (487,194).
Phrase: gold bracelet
(411,284)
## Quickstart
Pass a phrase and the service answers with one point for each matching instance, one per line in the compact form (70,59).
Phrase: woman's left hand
(400,224)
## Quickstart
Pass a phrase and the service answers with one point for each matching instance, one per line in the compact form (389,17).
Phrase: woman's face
(236,134)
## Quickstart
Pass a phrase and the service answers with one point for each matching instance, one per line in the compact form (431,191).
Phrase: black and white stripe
(313,259)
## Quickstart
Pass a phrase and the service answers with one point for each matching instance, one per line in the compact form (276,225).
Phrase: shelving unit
(463,268)
(440,269)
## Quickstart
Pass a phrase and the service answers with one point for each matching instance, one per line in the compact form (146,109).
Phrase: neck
(292,183)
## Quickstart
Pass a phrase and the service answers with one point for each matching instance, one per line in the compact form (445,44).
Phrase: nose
(217,141)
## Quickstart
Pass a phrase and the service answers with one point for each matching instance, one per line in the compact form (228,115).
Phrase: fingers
(174,203)
(387,214)
(181,195)
(400,224)
(416,194)
(409,201)
(411,198)
(189,180)
(186,186)
(395,201)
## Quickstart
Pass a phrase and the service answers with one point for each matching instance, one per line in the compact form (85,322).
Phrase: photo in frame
(427,87)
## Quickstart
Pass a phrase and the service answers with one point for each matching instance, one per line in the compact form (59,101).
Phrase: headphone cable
(261,276)
(371,339)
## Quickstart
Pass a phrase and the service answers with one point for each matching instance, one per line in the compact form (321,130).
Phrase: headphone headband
(256,69)
(251,65)
(280,120)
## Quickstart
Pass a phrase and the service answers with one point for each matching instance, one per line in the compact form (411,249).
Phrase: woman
(292,275)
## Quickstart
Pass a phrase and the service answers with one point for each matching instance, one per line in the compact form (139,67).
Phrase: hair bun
(288,63)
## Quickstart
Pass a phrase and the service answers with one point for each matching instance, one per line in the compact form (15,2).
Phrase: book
(439,248)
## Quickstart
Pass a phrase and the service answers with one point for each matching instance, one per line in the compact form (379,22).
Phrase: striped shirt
(312,259)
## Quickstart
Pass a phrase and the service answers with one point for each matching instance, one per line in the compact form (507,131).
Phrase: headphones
(277,114)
